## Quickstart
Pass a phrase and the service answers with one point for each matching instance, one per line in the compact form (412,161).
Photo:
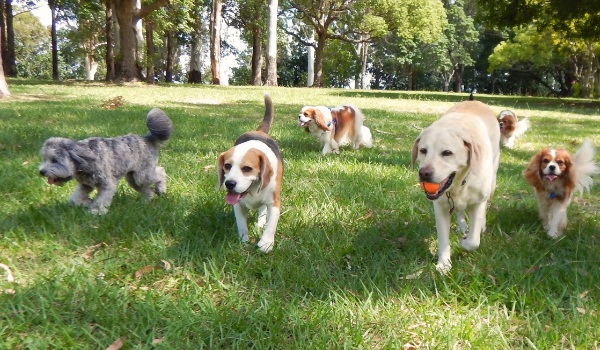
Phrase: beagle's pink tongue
(551,177)
(232,198)
(51,180)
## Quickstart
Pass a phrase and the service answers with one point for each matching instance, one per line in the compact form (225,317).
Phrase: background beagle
(251,172)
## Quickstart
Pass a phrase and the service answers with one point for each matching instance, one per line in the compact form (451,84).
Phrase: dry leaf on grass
(139,273)
(117,344)
(113,103)
(582,295)
(9,275)
(157,341)
(412,276)
(25,163)
(369,214)
(416,325)
(532,269)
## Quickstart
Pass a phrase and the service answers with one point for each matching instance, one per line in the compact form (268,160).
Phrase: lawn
(353,263)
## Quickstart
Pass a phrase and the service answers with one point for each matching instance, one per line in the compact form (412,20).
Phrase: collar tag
(552,195)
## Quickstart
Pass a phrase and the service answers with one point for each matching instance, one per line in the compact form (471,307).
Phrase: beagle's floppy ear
(532,173)
(415,152)
(319,119)
(266,171)
(220,172)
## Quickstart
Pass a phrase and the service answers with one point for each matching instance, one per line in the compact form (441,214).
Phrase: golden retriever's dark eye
(546,161)
(227,167)
(246,169)
(560,162)
(423,151)
(447,153)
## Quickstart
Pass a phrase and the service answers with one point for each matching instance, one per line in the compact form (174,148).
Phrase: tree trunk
(139,35)
(215,41)
(257,56)
(2,32)
(91,67)
(272,45)
(169,65)
(10,64)
(458,79)
(4,92)
(409,75)
(110,53)
(55,74)
(321,39)
(150,52)
(363,66)
(195,73)
(310,76)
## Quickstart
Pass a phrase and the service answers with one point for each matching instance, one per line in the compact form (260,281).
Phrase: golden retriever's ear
(319,119)
(415,152)
(474,156)
(266,171)
(532,173)
(220,172)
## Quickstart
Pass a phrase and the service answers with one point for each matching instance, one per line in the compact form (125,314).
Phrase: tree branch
(146,10)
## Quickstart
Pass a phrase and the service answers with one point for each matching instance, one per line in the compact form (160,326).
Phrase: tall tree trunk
(150,52)
(257,56)
(272,45)
(321,39)
(169,65)
(139,35)
(458,80)
(195,73)
(55,74)
(363,65)
(215,41)
(310,76)
(4,92)
(91,67)
(11,64)
(2,32)
(409,75)
(110,53)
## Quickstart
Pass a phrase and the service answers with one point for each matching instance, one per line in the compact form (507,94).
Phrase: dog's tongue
(51,180)
(551,177)
(232,198)
(302,123)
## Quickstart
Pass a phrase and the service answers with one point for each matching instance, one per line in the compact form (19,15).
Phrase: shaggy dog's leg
(241,216)
(477,216)
(103,199)
(160,186)
(81,195)
(262,216)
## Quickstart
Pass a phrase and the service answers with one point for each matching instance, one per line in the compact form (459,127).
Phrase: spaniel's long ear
(415,152)
(320,119)
(82,156)
(220,172)
(266,171)
(532,173)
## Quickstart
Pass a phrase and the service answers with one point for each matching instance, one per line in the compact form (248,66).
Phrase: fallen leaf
(581,310)
(113,103)
(139,273)
(9,275)
(25,163)
(208,167)
(167,265)
(493,279)
(532,269)
(10,291)
(513,328)
(417,325)
(412,276)
(157,341)
(408,346)
(92,249)
(582,295)
(117,344)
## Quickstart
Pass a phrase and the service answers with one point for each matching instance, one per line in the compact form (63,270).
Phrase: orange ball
(430,187)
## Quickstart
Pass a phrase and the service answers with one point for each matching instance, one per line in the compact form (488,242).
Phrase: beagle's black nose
(230,184)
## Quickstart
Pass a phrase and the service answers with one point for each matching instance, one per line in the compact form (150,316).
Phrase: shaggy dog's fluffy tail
(584,164)
(522,126)
(160,126)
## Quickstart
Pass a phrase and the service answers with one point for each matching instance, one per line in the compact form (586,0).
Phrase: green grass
(353,227)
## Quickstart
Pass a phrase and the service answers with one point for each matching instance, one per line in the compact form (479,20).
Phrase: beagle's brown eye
(447,153)
(423,151)
(227,167)
(546,161)
(246,169)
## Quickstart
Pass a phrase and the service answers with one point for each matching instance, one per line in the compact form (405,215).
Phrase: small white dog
(511,127)
(555,176)
(458,156)
(99,162)
(336,127)
(251,172)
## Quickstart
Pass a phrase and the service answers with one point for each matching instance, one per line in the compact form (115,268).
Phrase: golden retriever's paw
(265,246)
(444,267)
(467,244)
(554,234)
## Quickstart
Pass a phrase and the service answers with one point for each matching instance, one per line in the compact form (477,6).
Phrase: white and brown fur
(98,162)
(511,127)
(335,127)
(251,173)
(555,176)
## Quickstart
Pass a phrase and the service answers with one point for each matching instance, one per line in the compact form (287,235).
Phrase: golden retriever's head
(442,154)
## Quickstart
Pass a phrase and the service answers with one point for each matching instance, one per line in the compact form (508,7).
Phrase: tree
(4,91)
(272,45)
(127,14)
(108,32)
(10,64)
(215,41)
(32,43)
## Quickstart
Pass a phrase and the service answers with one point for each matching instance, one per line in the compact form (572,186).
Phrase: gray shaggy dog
(98,162)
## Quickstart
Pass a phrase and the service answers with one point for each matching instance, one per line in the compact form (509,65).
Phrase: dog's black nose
(43,172)
(501,123)
(230,184)
(425,173)
(552,167)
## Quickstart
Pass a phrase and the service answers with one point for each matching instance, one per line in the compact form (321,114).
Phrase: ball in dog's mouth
(434,193)
(232,198)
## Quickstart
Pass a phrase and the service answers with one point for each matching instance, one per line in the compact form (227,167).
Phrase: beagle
(251,173)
